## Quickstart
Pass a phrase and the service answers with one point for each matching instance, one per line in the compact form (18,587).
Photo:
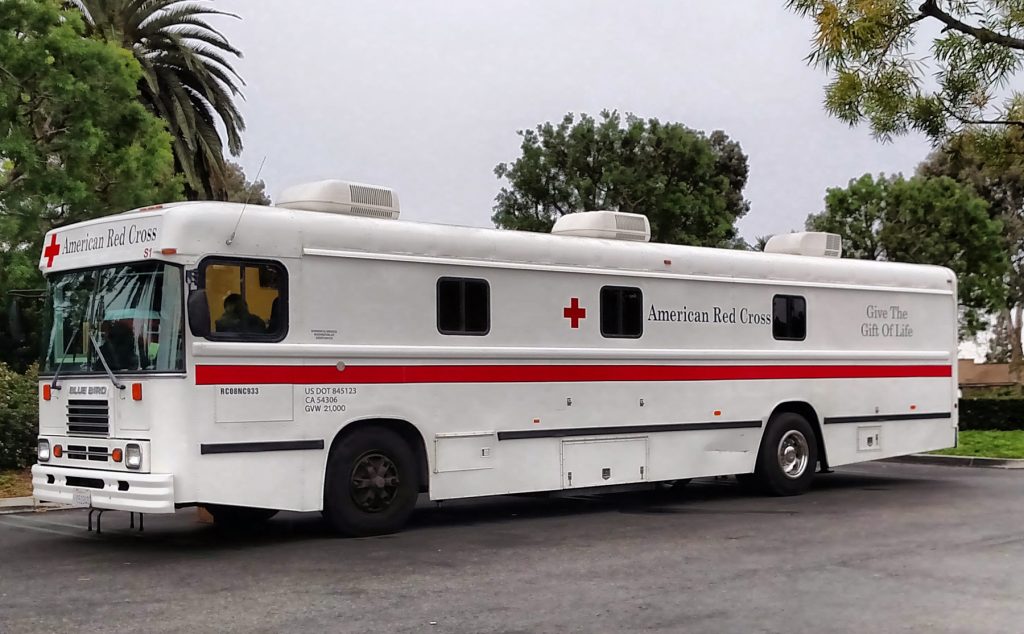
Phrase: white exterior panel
(496,413)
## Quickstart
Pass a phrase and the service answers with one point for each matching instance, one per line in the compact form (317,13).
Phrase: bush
(1002,392)
(19,417)
(1002,414)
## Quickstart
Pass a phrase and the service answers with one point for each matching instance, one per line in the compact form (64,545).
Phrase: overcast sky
(426,97)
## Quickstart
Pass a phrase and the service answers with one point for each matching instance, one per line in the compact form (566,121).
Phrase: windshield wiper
(60,364)
(103,360)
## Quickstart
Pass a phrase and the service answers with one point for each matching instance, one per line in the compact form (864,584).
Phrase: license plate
(81,498)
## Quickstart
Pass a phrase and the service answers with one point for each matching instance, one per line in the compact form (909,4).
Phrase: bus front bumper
(114,490)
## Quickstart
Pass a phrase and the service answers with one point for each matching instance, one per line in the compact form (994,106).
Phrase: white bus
(321,355)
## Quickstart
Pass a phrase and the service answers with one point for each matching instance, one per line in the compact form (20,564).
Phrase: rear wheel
(372,483)
(788,456)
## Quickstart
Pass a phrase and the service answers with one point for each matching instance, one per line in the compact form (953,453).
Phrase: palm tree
(187,79)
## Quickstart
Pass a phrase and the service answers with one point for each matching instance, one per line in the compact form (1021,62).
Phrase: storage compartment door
(588,463)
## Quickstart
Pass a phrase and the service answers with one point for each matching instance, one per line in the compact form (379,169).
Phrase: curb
(958,461)
(26,505)
(7,510)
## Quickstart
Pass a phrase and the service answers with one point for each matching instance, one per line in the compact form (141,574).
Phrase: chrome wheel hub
(794,453)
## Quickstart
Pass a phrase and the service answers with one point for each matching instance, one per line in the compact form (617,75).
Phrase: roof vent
(614,225)
(341,197)
(828,245)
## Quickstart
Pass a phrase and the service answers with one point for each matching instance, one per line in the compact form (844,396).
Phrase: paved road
(876,548)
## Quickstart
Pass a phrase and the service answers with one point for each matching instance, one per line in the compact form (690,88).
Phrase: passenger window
(622,311)
(247,300)
(463,306)
(789,317)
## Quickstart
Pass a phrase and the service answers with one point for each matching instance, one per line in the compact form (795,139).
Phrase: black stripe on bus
(880,418)
(250,447)
(626,429)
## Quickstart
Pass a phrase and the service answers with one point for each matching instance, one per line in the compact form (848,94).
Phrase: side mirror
(199,313)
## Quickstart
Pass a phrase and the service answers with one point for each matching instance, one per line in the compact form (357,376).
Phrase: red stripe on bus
(370,374)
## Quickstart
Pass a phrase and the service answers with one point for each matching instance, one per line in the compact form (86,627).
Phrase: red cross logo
(51,251)
(574,313)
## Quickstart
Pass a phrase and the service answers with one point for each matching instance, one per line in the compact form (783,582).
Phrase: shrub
(19,417)
(1002,391)
(1003,414)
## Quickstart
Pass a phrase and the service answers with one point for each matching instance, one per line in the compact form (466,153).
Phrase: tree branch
(13,177)
(896,30)
(966,121)
(931,9)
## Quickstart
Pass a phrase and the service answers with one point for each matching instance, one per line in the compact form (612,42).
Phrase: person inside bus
(237,318)
(275,323)
(118,347)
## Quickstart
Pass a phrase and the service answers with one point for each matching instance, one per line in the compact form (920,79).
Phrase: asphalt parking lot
(874,548)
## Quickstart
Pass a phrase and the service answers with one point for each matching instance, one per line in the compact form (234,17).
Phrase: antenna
(231,238)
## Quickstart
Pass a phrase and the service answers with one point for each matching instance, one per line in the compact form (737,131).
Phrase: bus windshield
(133,312)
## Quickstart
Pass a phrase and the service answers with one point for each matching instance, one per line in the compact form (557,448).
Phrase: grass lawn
(15,484)
(988,444)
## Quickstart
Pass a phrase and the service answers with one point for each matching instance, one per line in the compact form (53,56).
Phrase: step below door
(589,463)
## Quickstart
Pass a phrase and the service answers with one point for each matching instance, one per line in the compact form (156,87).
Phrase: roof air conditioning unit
(827,245)
(342,197)
(614,225)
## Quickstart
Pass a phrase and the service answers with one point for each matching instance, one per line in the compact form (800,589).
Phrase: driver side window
(247,300)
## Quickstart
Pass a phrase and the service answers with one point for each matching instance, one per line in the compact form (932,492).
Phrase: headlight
(133,456)
(43,450)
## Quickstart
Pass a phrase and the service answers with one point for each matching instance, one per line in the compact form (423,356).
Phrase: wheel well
(403,428)
(804,409)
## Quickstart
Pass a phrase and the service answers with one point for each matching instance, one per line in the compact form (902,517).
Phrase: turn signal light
(46,391)
(58,451)
(136,391)
(116,455)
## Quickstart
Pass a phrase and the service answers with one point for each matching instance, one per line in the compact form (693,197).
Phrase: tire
(788,456)
(238,517)
(372,483)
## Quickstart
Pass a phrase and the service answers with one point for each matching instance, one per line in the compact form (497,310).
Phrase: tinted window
(247,300)
(622,311)
(789,317)
(463,306)
(127,316)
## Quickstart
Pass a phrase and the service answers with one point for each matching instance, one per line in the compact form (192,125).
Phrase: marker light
(136,391)
(43,450)
(58,451)
(46,391)
(116,455)
(133,456)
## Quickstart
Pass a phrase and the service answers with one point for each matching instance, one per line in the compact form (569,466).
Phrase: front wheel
(372,483)
(788,456)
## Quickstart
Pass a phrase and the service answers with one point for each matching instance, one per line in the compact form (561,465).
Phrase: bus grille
(88,418)
(84,452)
